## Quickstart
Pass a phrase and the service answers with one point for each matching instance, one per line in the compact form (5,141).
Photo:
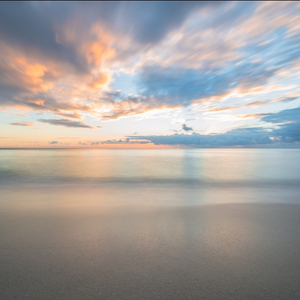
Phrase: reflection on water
(214,165)
(163,177)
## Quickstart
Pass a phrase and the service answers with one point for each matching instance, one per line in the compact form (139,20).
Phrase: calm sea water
(158,176)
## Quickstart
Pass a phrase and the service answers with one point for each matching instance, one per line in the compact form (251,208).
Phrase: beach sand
(223,251)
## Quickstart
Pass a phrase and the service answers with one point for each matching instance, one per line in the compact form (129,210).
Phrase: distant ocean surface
(152,176)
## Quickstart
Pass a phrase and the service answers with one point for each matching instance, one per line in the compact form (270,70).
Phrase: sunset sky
(149,74)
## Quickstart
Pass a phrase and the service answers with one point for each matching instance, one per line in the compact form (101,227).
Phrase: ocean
(151,176)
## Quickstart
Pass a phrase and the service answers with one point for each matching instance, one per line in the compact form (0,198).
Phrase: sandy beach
(223,251)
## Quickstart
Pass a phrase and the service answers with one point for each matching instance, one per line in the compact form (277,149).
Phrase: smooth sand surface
(230,251)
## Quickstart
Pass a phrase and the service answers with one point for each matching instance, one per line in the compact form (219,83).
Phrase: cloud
(146,23)
(288,123)
(126,140)
(224,37)
(287,132)
(250,116)
(152,21)
(178,87)
(53,142)
(185,128)
(175,86)
(287,115)
(61,57)
(73,115)
(32,27)
(67,138)
(25,124)
(68,123)
(17,115)
(254,103)
(238,137)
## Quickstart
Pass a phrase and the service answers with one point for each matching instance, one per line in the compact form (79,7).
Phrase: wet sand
(224,251)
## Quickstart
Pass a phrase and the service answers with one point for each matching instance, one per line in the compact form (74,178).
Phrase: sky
(149,74)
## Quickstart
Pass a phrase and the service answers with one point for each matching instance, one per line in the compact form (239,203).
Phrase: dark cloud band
(68,123)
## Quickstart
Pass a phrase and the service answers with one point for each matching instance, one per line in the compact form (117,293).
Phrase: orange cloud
(223,108)
(96,52)
(21,72)
(99,81)
(73,115)
(94,42)
(250,116)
